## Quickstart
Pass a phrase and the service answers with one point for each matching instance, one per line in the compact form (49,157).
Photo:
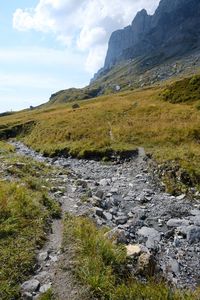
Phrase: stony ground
(125,196)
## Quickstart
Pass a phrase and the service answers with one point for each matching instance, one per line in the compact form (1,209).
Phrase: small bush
(184,90)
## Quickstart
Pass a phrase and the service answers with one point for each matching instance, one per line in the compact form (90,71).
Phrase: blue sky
(49,45)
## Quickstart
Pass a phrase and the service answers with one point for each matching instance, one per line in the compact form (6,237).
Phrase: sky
(51,45)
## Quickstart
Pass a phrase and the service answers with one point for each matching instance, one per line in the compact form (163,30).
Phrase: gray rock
(44,288)
(121,220)
(116,235)
(152,235)
(42,276)
(178,222)
(43,256)
(191,232)
(98,211)
(107,216)
(195,220)
(195,212)
(53,258)
(139,212)
(181,197)
(30,286)
(113,211)
(104,182)
(174,265)
(99,194)
(27,296)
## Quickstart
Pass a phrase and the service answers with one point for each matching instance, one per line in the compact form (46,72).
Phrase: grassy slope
(120,121)
(24,213)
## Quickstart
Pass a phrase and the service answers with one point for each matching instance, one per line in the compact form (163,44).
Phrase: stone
(139,212)
(121,220)
(193,234)
(30,286)
(117,200)
(104,182)
(178,222)
(99,194)
(43,256)
(181,197)
(53,258)
(195,212)
(146,264)
(42,276)
(75,106)
(133,250)
(44,288)
(107,216)
(152,235)
(27,296)
(113,211)
(98,211)
(173,266)
(195,220)
(114,190)
(116,235)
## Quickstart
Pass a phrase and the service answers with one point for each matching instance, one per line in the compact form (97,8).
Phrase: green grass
(5,148)
(118,122)
(47,296)
(184,90)
(106,273)
(25,210)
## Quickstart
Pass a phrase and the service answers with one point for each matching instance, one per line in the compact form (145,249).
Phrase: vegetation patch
(106,273)
(185,90)
(25,211)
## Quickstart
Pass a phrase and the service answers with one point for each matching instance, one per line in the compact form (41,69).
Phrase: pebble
(30,286)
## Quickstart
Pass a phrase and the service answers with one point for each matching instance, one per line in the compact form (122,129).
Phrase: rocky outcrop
(174,30)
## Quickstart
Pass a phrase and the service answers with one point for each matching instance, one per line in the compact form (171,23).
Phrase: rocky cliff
(173,31)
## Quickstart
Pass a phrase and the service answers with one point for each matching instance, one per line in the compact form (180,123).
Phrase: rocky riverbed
(124,196)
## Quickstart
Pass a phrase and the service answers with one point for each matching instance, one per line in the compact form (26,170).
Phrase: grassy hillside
(171,132)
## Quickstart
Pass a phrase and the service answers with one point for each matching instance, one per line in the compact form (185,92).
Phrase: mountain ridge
(172,30)
(153,48)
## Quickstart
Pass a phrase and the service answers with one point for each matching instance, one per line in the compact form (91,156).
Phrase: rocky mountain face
(173,31)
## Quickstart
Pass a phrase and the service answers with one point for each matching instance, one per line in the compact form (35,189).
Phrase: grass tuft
(101,265)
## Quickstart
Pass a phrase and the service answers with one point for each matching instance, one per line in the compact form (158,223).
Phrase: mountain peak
(173,30)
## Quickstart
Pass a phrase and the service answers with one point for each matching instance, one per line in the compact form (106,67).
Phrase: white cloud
(85,24)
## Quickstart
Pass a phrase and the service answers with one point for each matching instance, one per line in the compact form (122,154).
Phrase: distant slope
(130,75)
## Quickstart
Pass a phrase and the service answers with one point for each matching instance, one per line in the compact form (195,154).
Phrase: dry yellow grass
(119,121)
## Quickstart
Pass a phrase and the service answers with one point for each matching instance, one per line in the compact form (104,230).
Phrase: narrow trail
(121,195)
